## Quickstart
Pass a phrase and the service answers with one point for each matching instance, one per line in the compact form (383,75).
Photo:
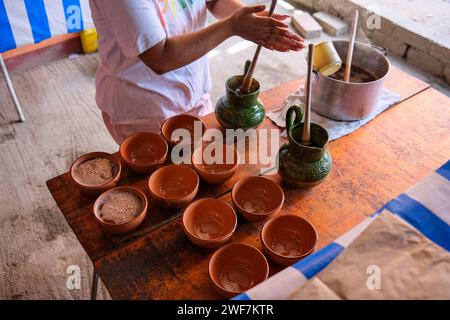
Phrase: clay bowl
(209,222)
(143,152)
(213,167)
(182,121)
(125,227)
(96,189)
(237,267)
(257,198)
(288,238)
(175,186)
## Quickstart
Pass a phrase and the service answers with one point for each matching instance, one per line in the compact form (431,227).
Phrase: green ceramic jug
(303,166)
(236,110)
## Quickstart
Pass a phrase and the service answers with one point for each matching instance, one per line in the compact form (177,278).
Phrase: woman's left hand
(277,16)
(291,37)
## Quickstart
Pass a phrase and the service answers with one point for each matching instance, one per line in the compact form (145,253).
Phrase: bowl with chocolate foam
(174,186)
(95,172)
(144,151)
(121,210)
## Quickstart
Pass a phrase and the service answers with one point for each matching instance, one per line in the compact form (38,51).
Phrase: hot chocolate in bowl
(175,186)
(144,151)
(95,172)
(348,101)
(237,267)
(183,121)
(256,198)
(121,210)
(216,166)
(209,222)
(288,238)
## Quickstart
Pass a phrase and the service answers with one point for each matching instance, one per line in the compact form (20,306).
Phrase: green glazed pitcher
(303,166)
(236,110)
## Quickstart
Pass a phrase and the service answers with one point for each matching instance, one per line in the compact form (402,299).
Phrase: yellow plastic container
(326,58)
(89,40)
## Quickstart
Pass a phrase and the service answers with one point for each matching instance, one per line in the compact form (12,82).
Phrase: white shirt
(129,91)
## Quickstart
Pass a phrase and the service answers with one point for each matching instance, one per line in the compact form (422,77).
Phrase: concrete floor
(36,244)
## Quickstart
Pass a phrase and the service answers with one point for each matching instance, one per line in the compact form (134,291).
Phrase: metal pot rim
(363,83)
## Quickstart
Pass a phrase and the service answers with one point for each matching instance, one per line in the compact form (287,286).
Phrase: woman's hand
(253,24)
(274,15)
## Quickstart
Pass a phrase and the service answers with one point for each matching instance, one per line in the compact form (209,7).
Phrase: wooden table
(371,166)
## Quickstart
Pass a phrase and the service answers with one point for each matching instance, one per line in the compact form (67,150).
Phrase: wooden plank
(371,166)
(34,55)
(403,84)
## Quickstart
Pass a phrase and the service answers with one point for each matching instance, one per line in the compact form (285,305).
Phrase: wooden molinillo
(247,81)
(305,161)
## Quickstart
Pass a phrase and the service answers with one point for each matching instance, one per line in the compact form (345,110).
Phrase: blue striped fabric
(25,22)
(6,36)
(313,264)
(422,219)
(38,20)
(426,206)
(242,297)
(444,171)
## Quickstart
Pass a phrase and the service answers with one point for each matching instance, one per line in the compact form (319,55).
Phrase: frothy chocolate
(94,172)
(120,207)
(357,75)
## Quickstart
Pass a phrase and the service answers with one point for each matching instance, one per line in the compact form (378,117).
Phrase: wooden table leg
(94,285)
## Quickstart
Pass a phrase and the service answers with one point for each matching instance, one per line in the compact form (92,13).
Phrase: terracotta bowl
(175,186)
(212,170)
(237,267)
(96,189)
(288,238)
(257,198)
(182,121)
(209,222)
(123,227)
(143,152)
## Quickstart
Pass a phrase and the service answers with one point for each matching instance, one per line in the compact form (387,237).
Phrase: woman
(153,55)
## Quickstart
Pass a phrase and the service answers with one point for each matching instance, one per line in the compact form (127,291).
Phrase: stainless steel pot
(346,101)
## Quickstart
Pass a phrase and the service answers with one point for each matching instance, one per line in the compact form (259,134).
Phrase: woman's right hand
(253,24)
